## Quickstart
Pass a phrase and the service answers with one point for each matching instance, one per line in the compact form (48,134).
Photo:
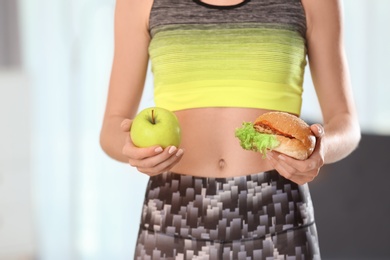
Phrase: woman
(216,64)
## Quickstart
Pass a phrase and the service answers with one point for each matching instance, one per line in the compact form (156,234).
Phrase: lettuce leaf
(250,139)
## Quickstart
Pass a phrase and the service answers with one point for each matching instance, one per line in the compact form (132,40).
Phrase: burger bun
(295,136)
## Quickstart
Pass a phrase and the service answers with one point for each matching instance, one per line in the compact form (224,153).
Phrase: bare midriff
(211,149)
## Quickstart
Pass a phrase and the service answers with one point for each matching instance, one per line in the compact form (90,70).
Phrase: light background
(61,197)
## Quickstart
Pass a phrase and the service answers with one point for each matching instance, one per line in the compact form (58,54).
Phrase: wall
(352,204)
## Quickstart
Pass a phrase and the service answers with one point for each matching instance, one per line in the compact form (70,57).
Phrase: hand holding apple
(155,126)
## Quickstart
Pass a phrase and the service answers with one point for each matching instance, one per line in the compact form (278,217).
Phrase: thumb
(318,130)
(126,124)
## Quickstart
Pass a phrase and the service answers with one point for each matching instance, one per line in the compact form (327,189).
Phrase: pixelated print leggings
(258,216)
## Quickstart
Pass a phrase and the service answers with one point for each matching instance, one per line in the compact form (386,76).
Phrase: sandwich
(278,131)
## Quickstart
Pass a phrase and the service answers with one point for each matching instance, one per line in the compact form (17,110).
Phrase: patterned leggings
(259,216)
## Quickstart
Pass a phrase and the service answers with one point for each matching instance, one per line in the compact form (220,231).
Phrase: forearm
(342,136)
(112,138)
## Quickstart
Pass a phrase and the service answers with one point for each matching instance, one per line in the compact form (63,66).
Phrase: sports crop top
(250,55)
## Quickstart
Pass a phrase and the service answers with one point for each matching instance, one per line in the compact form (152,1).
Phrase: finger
(304,166)
(126,125)
(168,164)
(136,153)
(292,175)
(290,163)
(318,130)
(290,172)
(282,167)
(154,160)
(165,165)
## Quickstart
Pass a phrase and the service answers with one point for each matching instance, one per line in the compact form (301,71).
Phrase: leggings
(258,216)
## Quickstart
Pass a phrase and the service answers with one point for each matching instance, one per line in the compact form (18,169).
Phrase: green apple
(155,126)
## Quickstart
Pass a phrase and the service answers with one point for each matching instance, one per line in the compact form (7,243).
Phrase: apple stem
(153,122)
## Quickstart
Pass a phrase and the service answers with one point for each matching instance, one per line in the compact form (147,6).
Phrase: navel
(221,164)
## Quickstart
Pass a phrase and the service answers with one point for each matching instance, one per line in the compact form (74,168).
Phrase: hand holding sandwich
(293,147)
(300,171)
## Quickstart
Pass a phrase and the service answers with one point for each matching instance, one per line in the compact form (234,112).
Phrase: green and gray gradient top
(250,55)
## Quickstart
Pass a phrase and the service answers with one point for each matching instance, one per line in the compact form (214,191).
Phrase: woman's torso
(211,149)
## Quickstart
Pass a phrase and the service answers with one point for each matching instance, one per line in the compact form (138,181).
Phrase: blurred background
(62,198)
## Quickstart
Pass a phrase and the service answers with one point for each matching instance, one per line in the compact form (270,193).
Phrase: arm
(125,91)
(340,133)
(330,76)
(128,73)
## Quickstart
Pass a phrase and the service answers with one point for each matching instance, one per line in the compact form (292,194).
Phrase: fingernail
(158,150)
(320,130)
(281,157)
(172,149)
(180,152)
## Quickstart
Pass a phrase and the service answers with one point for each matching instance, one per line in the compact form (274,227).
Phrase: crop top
(250,55)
